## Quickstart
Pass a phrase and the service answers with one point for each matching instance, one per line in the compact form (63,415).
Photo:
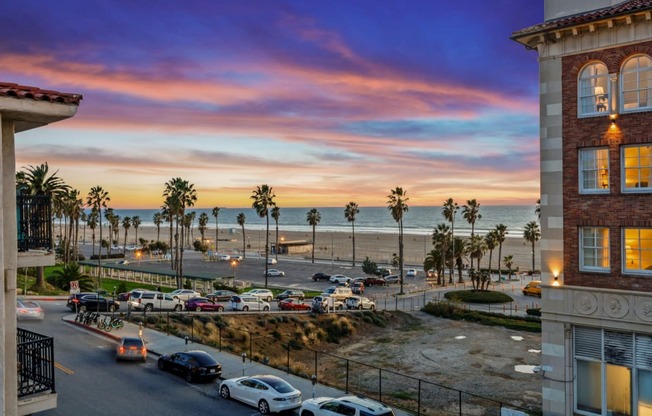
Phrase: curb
(93,329)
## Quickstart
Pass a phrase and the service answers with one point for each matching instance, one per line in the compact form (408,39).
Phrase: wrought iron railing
(35,363)
(34,215)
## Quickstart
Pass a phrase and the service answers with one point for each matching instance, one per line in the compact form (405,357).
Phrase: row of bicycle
(103,322)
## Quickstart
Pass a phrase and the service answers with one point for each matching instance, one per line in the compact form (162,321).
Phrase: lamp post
(233,264)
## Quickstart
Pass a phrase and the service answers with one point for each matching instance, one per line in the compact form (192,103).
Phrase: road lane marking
(64,369)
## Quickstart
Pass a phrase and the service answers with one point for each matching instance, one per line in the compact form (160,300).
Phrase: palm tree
(216,213)
(36,180)
(183,195)
(62,277)
(126,224)
(441,242)
(313,217)
(449,212)
(478,249)
(537,208)
(501,233)
(169,211)
(75,211)
(532,234)
(263,197)
(509,262)
(158,221)
(92,224)
(276,214)
(396,204)
(435,260)
(350,211)
(135,222)
(471,213)
(460,249)
(490,241)
(115,227)
(97,199)
(203,225)
(240,219)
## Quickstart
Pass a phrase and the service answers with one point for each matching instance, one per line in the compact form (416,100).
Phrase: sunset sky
(326,101)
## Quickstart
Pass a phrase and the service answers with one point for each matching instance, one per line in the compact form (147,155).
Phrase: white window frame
(634,94)
(634,251)
(597,249)
(593,167)
(593,89)
(643,184)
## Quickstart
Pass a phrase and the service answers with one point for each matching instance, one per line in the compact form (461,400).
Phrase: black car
(73,300)
(320,276)
(93,302)
(295,294)
(192,365)
(221,295)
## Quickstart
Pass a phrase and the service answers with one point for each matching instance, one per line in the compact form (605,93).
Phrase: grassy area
(455,312)
(477,296)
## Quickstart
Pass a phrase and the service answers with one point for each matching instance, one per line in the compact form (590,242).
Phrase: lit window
(593,90)
(636,84)
(637,250)
(594,249)
(594,170)
(637,168)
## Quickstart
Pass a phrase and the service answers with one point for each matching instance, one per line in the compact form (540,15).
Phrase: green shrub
(478,296)
(451,311)
(533,311)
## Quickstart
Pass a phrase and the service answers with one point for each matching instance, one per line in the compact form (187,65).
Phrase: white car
(264,294)
(275,273)
(392,278)
(224,257)
(411,273)
(339,278)
(325,302)
(237,258)
(270,394)
(347,405)
(184,294)
(272,260)
(359,302)
(246,303)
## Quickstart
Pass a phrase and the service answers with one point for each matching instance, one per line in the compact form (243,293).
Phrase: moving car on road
(275,273)
(533,288)
(392,278)
(94,302)
(28,309)
(320,276)
(192,365)
(131,348)
(266,392)
(347,405)
(339,278)
(411,273)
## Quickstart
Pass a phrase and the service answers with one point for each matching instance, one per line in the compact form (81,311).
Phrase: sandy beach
(337,245)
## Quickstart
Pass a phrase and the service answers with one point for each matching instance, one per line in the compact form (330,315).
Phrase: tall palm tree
(471,213)
(501,234)
(449,211)
(509,262)
(92,224)
(490,240)
(169,211)
(75,211)
(435,260)
(263,197)
(183,195)
(240,219)
(135,222)
(532,234)
(460,250)
(36,180)
(97,199)
(313,217)
(216,213)
(350,211)
(126,224)
(441,243)
(115,227)
(158,221)
(478,249)
(203,225)
(276,214)
(396,204)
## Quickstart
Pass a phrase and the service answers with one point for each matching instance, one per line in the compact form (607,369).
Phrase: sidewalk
(159,343)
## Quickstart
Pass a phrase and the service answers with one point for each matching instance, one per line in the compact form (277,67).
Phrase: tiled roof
(22,91)
(624,8)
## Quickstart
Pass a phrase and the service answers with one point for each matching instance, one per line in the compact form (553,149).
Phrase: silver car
(248,303)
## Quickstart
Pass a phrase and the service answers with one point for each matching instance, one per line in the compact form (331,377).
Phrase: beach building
(26,358)
(595,62)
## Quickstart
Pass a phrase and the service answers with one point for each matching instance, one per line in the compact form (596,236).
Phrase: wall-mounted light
(612,119)
(555,282)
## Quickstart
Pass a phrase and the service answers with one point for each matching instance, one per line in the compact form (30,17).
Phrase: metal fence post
(380,385)
(346,389)
(288,344)
(419,399)
(168,324)
(251,341)
(220,337)
(316,364)
(460,395)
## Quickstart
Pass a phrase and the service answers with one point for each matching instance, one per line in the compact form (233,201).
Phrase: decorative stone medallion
(643,309)
(615,306)
(585,303)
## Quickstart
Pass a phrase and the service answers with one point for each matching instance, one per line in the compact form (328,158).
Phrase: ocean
(418,220)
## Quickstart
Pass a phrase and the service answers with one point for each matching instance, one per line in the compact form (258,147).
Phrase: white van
(149,301)
(341,293)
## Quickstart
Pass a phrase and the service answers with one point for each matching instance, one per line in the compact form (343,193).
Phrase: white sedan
(270,394)
(275,273)
(224,257)
(339,278)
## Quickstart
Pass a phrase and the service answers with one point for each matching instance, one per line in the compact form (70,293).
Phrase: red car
(292,304)
(203,304)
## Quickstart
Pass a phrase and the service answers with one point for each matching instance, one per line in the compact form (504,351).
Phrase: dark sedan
(203,304)
(93,302)
(192,365)
(320,276)
(221,295)
(296,294)
(291,304)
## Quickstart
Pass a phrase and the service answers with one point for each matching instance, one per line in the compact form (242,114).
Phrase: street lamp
(233,264)
(138,256)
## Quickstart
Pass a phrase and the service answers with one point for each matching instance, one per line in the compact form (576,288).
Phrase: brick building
(595,60)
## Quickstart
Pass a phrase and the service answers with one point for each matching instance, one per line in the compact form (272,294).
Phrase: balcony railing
(35,363)
(34,215)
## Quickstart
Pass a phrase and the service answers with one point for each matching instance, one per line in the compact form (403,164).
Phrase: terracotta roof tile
(624,8)
(34,93)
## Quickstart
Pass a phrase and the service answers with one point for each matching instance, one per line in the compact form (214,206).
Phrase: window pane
(588,383)
(644,393)
(619,391)
(595,248)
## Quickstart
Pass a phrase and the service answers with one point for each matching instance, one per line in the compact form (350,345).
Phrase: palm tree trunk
(353,240)
(313,244)
(267,249)
(500,252)
(400,253)
(532,256)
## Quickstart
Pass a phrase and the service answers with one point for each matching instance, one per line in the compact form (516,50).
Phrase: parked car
(325,301)
(358,288)
(375,281)
(392,278)
(411,273)
(359,302)
(94,302)
(28,309)
(247,302)
(357,280)
(341,293)
(320,276)
(131,348)
(192,365)
(125,296)
(184,294)
(272,260)
(73,300)
(275,273)
(347,405)
(151,300)
(221,295)
(339,278)
(533,288)
(296,294)
(265,392)
(384,271)
(203,304)
(264,294)
(291,304)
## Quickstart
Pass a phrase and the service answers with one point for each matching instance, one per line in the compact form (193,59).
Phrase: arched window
(594,90)
(636,84)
